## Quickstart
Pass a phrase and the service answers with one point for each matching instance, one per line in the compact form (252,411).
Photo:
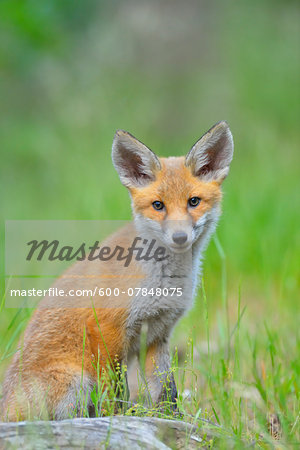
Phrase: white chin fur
(177,249)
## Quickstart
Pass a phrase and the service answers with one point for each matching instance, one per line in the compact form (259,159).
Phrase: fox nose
(179,237)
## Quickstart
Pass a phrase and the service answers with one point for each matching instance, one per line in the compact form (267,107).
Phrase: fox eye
(158,205)
(194,201)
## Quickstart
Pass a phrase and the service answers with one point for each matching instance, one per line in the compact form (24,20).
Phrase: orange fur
(52,348)
(174,185)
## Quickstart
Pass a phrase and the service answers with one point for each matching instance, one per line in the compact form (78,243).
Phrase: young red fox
(176,204)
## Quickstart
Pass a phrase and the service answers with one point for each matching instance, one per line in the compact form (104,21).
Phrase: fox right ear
(210,158)
(135,163)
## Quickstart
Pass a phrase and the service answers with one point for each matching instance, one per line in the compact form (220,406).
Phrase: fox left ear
(135,163)
(210,157)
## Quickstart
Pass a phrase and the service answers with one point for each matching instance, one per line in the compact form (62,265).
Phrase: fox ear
(135,163)
(211,156)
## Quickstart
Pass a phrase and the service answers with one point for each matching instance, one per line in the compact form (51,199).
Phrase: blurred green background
(74,72)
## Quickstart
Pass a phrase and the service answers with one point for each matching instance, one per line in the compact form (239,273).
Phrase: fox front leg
(159,378)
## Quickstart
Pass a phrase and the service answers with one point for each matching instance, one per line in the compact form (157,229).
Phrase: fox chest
(166,292)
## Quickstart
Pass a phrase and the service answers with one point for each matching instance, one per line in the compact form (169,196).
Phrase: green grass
(73,75)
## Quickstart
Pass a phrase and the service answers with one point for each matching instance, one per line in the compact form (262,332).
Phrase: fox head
(176,199)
